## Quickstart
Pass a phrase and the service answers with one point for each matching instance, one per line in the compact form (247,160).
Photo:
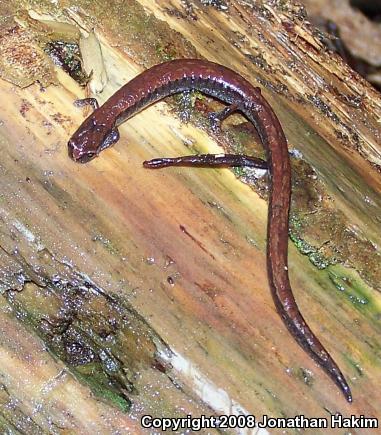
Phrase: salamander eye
(87,157)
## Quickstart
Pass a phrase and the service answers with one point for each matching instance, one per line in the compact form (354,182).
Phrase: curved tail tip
(347,392)
(348,396)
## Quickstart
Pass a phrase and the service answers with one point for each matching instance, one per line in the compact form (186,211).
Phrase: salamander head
(90,139)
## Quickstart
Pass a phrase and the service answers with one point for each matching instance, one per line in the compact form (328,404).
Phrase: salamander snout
(71,148)
(78,154)
(90,139)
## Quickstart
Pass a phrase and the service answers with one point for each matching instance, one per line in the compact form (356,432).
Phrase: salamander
(100,130)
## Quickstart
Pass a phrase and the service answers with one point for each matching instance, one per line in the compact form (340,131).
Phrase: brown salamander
(99,131)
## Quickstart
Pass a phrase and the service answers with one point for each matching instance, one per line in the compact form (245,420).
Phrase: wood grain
(120,308)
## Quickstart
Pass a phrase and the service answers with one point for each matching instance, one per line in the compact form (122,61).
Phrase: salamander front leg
(93,102)
(208,161)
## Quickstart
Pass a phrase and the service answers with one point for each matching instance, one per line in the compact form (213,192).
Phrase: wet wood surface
(129,292)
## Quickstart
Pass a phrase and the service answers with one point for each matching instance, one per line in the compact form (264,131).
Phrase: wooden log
(129,292)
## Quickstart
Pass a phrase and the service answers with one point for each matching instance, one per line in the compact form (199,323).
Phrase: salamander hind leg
(207,161)
(93,102)
(216,118)
(210,160)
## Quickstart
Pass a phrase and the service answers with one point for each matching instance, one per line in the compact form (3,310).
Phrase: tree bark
(129,292)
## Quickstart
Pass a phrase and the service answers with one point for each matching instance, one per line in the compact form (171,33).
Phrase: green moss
(295,223)
(317,258)
(238,172)
(102,341)
(356,366)
(306,376)
(355,291)
(101,387)
(165,53)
